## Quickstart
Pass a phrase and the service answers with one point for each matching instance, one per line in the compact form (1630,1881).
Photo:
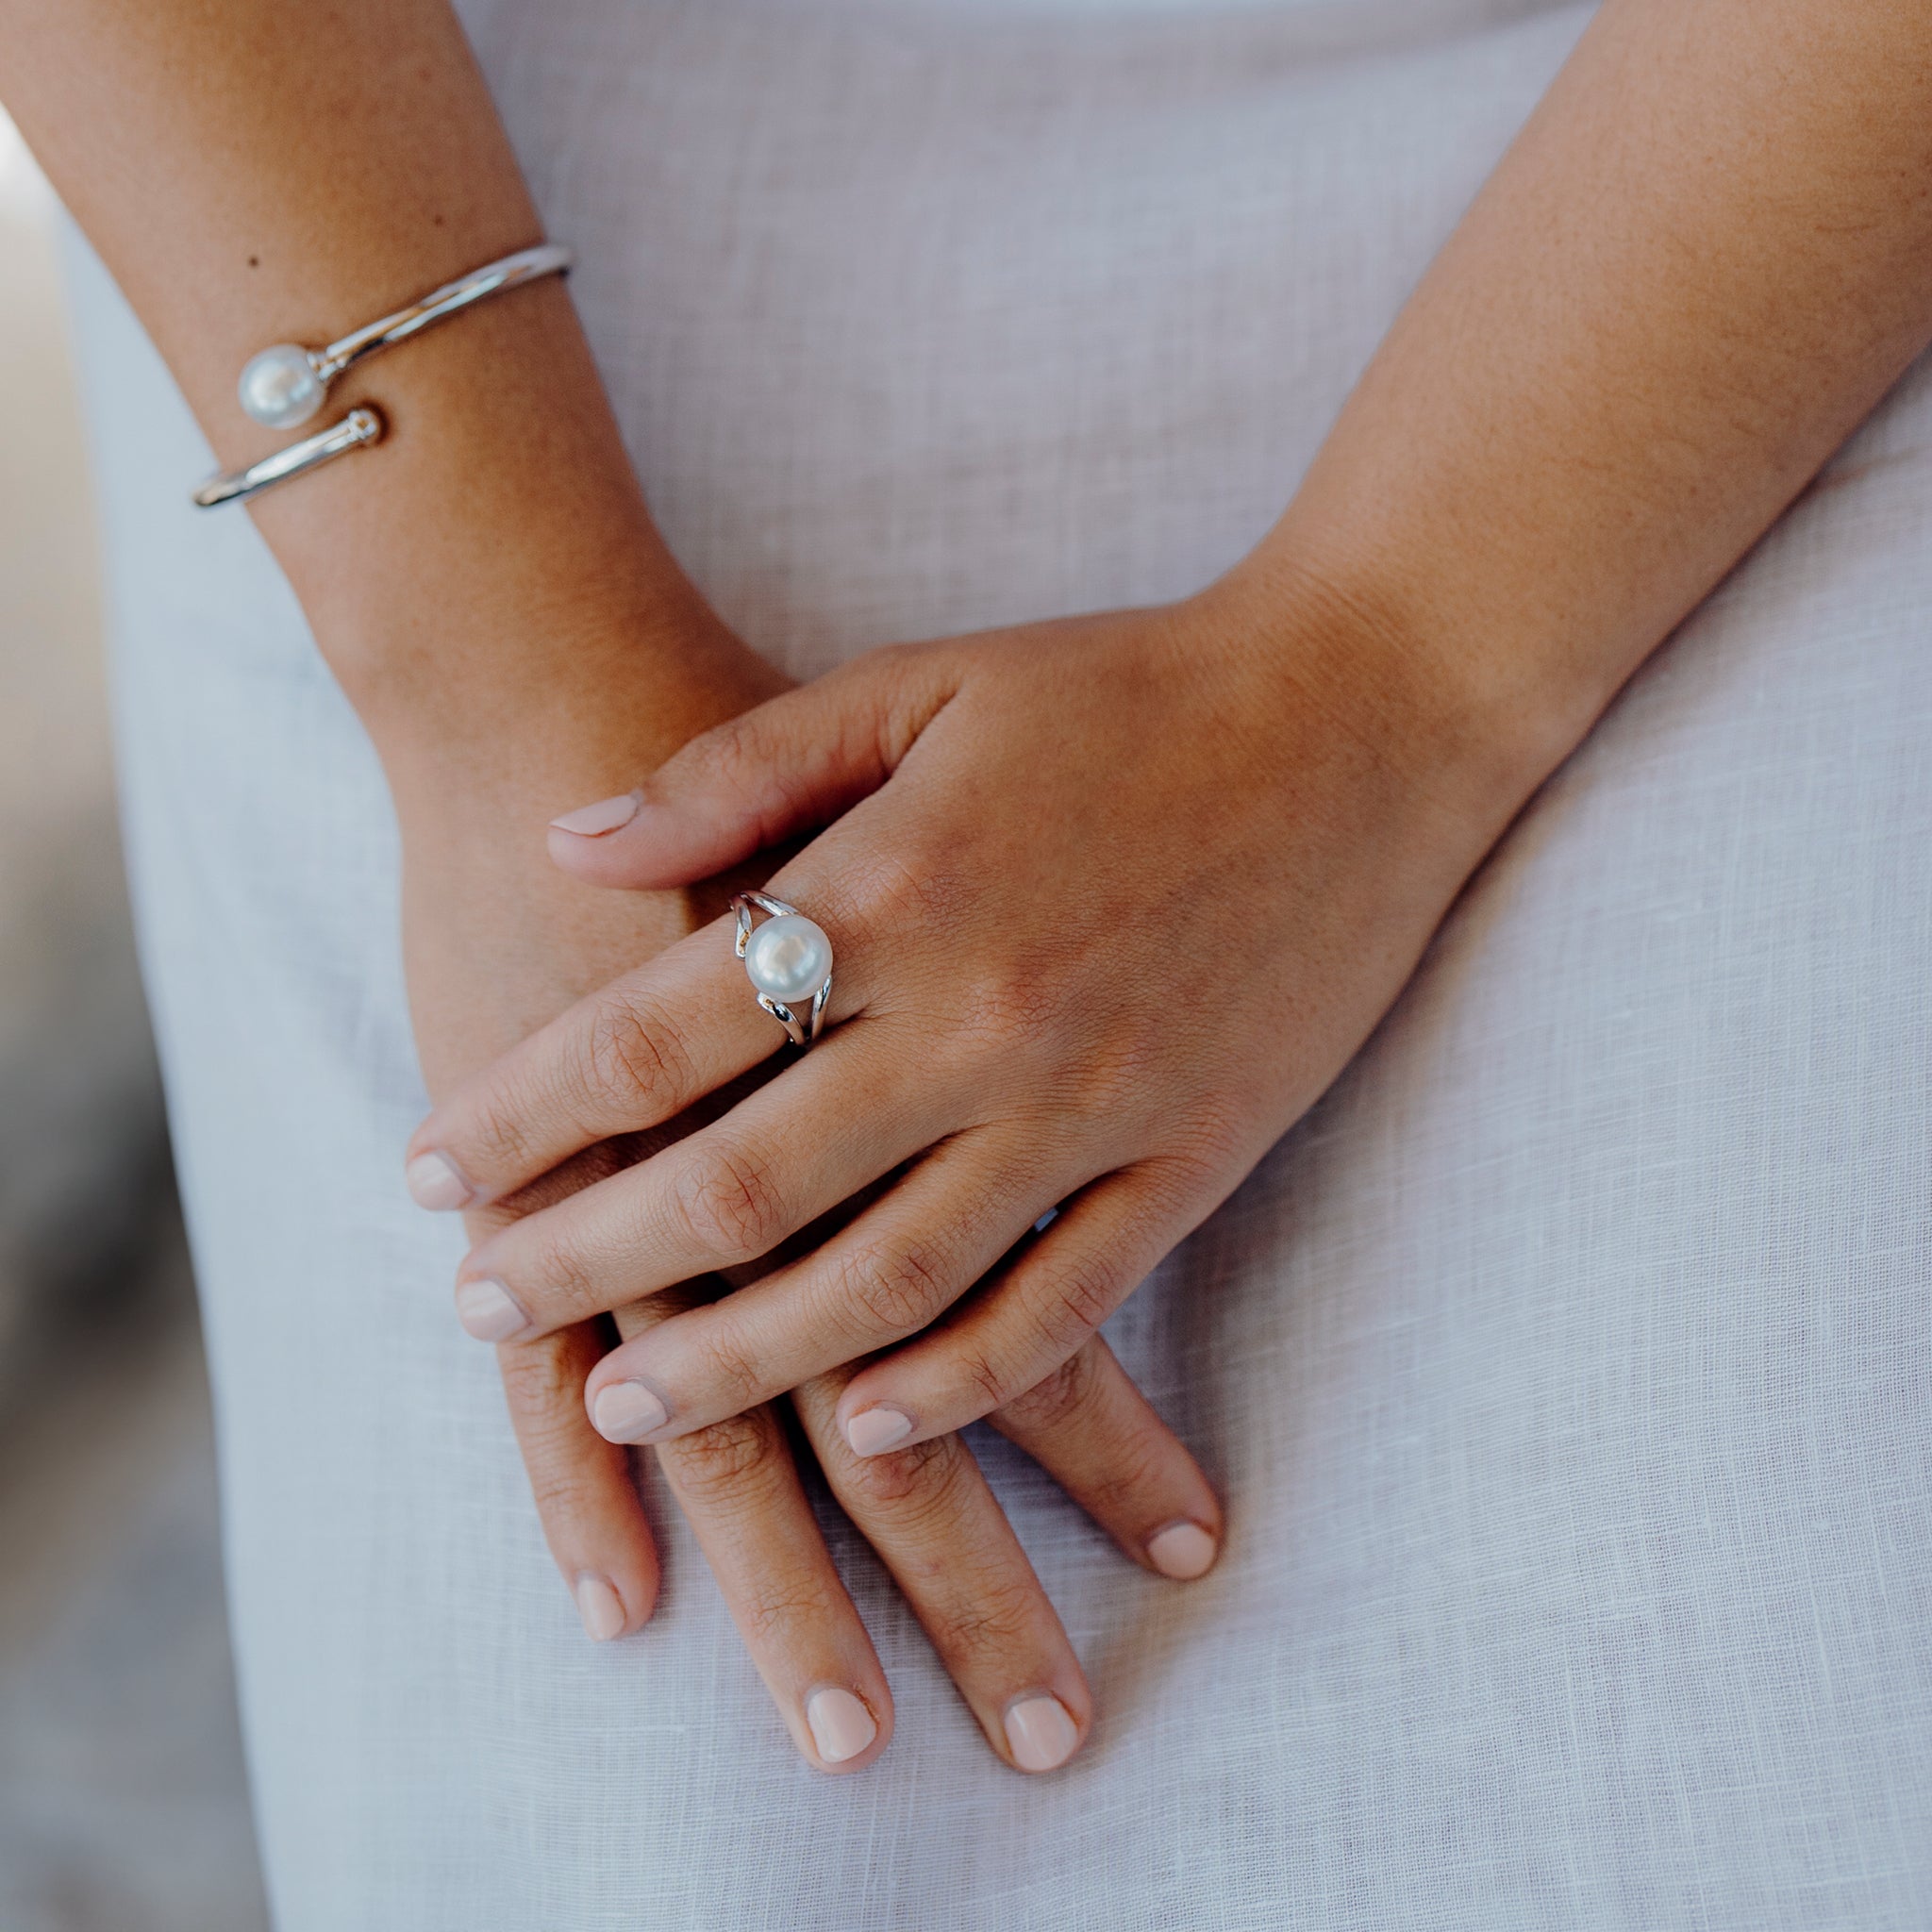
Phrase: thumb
(784,768)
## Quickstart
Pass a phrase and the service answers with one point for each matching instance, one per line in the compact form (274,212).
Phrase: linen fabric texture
(1566,1369)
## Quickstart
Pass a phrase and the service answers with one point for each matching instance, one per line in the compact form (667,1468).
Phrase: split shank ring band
(789,961)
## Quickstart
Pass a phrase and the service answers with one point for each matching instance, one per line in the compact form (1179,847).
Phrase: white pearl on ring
(281,388)
(788,958)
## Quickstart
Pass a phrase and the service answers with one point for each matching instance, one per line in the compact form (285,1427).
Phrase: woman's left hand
(1111,901)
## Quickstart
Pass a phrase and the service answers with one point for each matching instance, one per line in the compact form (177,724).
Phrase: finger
(736,1484)
(787,1153)
(1024,1322)
(632,1055)
(739,1487)
(787,766)
(587,1497)
(928,1238)
(1099,1438)
(937,1527)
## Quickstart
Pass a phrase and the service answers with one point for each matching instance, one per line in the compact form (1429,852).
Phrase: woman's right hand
(497,943)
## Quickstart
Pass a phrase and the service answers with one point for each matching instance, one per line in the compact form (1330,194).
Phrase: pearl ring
(788,960)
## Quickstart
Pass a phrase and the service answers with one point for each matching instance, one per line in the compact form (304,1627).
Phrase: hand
(503,615)
(498,940)
(1111,901)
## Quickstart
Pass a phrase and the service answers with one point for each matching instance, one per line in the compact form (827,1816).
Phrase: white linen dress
(1568,1372)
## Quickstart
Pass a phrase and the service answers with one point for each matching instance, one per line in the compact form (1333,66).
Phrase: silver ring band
(788,960)
(356,430)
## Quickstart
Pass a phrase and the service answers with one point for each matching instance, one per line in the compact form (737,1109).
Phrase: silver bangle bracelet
(360,427)
(286,384)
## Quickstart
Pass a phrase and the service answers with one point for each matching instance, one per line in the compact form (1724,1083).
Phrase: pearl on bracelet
(788,958)
(279,387)
(285,384)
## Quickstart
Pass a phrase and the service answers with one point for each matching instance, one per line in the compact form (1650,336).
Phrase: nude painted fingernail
(601,1608)
(1040,1734)
(1182,1550)
(842,1727)
(607,815)
(627,1412)
(873,1431)
(436,1182)
(485,1310)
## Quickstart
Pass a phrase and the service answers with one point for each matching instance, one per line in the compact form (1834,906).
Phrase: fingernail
(1040,1734)
(842,1727)
(627,1412)
(1182,1550)
(436,1182)
(873,1431)
(607,815)
(601,1608)
(485,1310)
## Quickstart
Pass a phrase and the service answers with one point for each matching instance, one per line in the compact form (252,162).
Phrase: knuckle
(886,895)
(978,1371)
(1089,1289)
(630,1054)
(560,1280)
(496,1137)
(736,753)
(757,771)
(1059,1398)
(1135,1470)
(731,1377)
(730,1205)
(768,1615)
(995,1622)
(565,1493)
(1019,1014)
(745,761)
(569,1475)
(539,1383)
(722,1461)
(893,1291)
(1082,1292)
(922,1476)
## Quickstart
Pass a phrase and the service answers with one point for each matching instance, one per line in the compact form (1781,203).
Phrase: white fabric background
(1567,1370)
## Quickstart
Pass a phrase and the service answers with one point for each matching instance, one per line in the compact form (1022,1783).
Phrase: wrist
(607,705)
(486,584)
(1479,711)
(492,560)
(495,704)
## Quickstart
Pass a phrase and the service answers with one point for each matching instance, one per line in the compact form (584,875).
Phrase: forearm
(1701,265)
(259,174)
